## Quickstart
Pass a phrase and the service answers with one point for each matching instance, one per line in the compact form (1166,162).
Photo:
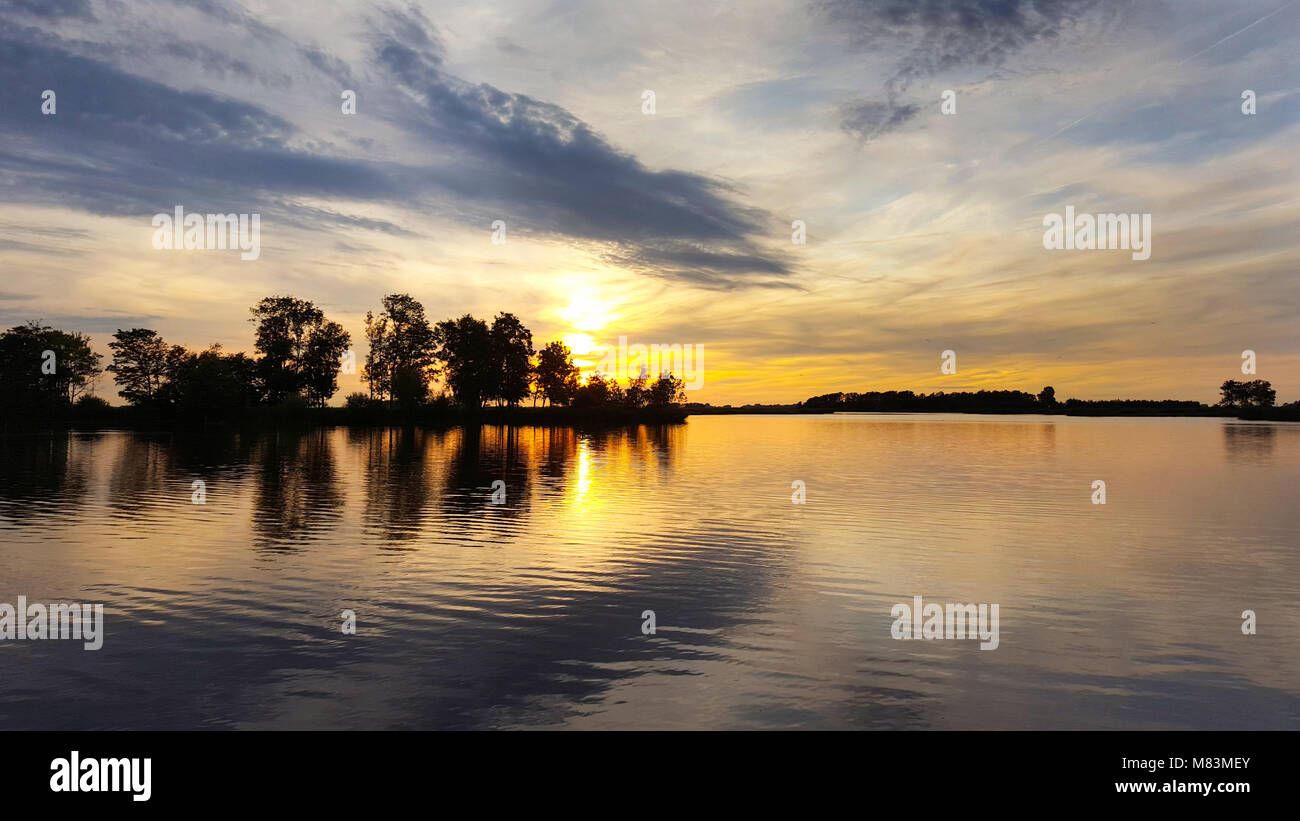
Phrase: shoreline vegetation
(458,371)
(432,416)
(442,413)
(1253,400)
(484,373)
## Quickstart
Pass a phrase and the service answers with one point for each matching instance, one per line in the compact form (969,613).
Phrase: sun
(586,315)
(586,311)
(580,344)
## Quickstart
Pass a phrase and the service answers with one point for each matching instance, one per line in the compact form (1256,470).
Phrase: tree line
(481,362)
(1236,397)
(299,353)
(978,401)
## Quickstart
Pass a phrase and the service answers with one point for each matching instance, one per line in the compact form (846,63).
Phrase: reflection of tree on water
(408,496)
(480,456)
(44,477)
(1249,442)
(1048,438)
(476,458)
(154,471)
(636,448)
(211,453)
(554,449)
(398,480)
(297,489)
(660,442)
(141,474)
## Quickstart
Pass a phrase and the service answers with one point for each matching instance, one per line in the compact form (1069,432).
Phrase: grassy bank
(299,416)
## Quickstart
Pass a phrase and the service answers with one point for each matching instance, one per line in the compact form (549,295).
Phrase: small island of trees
(481,370)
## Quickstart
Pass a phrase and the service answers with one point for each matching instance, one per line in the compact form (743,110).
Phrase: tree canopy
(1256,393)
(42,368)
(140,365)
(300,349)
(402,350)
(297,353)
(465,359)
(556,377)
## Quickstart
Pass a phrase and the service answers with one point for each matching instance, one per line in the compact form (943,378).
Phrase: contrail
(1235,33)
(1193,57)
(1066,128)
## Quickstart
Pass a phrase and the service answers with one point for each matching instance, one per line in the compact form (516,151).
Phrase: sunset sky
(924,230)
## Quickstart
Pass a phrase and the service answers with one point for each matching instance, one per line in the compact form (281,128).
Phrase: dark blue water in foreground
(768,614)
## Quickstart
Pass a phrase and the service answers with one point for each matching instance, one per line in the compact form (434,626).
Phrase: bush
(89,403)
(292,412)
(362,410)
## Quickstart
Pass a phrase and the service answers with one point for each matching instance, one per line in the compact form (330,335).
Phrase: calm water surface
(769,614)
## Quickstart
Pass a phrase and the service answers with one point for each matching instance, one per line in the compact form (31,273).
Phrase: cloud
(704,267)
(941,35)
(219,65)
(542,159)
(35,248)
(124,144)
(329,65)
(867,120)
(946,34)
(48,9)
(537,163)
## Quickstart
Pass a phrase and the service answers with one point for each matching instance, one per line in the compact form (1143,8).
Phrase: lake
(528,613)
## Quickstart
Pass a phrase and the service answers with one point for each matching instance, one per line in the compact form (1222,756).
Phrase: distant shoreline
(1252,400)
(1099,409)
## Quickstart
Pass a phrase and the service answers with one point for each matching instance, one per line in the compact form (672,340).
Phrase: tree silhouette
(300,349)
(43,370)
(637,394)
(402,350)
(465,359)
(322,360)
(667,390)
(211,384)
(32,380)
(555,373)
(1256,393)
(598,392)
(511,358)
(139,365)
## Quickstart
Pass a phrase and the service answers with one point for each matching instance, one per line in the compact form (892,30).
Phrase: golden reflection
(583,481)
